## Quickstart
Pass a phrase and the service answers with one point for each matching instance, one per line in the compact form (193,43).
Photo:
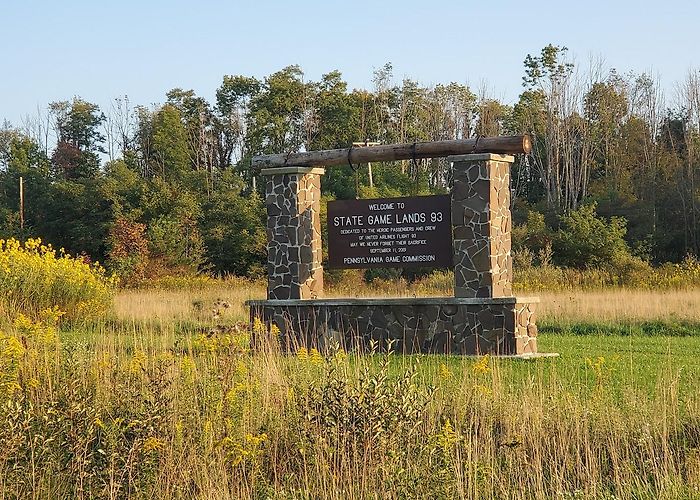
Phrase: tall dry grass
(112,411)
(611,304)
(166,416)
(620,305)
(169,305)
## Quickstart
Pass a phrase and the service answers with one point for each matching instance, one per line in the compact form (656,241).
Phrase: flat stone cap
(293,170)
(395,301)
(481,157)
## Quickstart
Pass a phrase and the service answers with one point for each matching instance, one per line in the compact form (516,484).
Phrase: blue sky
(100,50)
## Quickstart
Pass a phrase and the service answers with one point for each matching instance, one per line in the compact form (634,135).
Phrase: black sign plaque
(390,232)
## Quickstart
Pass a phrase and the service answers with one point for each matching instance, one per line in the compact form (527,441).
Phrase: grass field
(637,332)
(163,400)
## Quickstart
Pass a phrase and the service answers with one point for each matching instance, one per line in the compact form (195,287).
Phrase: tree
(336,114)
(175,244)
(689,190)
(76,215)
(232,107)
(21,156)
(168,144)
(562,144)
(197,118)
(450,114)
(451,111)
(606,108)
(77,126)
(586,240)
(492,117)
(529,116)
(281,114)
(233,229)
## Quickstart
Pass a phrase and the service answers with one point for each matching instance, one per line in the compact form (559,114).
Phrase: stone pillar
(481,223)
(525,327)
(293,201)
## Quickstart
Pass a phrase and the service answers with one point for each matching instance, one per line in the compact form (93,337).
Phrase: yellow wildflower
(258,326)
(340,355)
(138,361)
(13,348)
(444,372)
(152,444)
(188,366)
(481,367)
(315,357)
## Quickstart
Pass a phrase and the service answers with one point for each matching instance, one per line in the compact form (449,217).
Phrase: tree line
(168,188)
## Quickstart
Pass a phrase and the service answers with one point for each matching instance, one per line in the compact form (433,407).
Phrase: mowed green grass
(631,361)
(615,364)
(635,353)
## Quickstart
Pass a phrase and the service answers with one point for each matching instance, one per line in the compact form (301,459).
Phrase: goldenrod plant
(35,276)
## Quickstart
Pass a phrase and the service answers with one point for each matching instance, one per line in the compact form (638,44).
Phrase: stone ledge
(293,170)
(394,301)
(526,356)
(481,157)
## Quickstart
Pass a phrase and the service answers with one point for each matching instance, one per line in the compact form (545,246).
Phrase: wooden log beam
(391,152)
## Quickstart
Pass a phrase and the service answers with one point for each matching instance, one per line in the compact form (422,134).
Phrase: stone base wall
(502,326)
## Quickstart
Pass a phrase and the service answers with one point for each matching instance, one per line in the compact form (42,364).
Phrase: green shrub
(176,242)
(533,236)
(586,240)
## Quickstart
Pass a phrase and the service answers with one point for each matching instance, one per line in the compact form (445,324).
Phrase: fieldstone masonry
(481,224)
(293,200)
(525,326)
(408,325)
(483,317)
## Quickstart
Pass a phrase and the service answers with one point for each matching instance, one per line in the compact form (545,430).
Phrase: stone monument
(482,317)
